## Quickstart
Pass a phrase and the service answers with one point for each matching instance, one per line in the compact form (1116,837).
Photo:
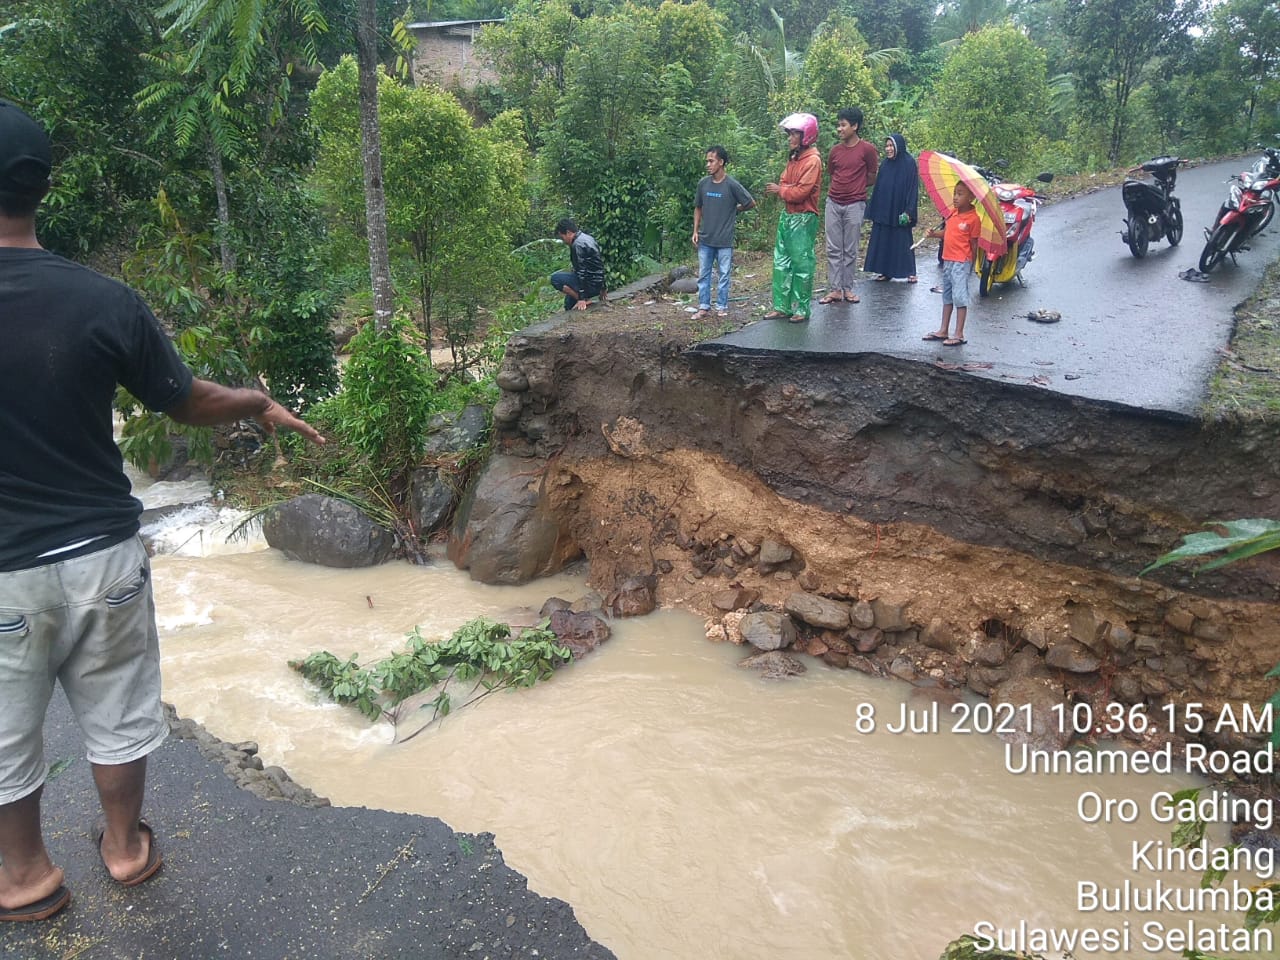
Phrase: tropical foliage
(481,653)
(215,145)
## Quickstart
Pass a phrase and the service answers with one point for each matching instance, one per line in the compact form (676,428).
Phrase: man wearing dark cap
(75,592)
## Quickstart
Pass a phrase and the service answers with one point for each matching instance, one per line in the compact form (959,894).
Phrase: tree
(189,110)
(529,53)
(450,200)
(620,120)
(1113,41)
(893,23)
(835,74)
(375,200)
(249,29)
(104,178)
(957,18)
(1248,36)
(989,98)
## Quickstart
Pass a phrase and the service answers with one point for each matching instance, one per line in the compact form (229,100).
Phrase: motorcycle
(1019,204)
(1153,211)
(1249,207)
(1266,167)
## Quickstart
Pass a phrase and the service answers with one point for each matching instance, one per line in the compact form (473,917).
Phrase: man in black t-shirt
(75,592)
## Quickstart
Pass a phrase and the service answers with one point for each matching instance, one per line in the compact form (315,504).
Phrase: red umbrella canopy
(940,173)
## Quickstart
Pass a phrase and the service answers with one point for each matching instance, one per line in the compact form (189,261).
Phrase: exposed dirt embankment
(980,510)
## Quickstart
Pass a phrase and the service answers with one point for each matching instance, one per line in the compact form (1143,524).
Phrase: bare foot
(14,895)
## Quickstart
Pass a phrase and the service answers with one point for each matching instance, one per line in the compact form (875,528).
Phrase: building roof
(427,25)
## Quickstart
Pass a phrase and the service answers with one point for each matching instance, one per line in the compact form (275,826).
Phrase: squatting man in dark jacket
(586,280)
(75,590)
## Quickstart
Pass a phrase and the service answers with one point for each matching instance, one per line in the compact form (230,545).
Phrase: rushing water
(686,808)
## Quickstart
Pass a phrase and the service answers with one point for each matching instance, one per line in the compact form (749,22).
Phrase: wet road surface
(1131,332)
(250,878)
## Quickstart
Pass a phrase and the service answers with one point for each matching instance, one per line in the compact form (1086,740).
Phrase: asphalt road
(1131,333)
(250,878)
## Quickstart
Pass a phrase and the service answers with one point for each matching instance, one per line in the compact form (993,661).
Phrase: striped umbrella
(940,173)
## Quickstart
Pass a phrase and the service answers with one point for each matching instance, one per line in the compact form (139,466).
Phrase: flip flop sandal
(854,299)
(830,299)
(702,315)
(154,860)
(722,314)
(935,289)
(881,278)
(913,279)
(933,336)
(797,319)
(42,909)
(776,315)
(953,342)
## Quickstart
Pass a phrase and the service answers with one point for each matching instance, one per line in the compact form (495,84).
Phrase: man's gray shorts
(90,624)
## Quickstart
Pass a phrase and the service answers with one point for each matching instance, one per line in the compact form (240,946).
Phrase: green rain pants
(793,263)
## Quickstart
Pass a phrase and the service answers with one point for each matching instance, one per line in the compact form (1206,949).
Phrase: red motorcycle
(1019,205)
(1247,210)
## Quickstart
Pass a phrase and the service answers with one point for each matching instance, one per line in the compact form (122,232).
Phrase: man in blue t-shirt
(75,582)
(719,200)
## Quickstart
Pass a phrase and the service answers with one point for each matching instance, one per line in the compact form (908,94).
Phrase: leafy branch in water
(481,653)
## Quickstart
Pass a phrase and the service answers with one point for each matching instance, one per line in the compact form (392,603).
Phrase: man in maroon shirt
(852,163)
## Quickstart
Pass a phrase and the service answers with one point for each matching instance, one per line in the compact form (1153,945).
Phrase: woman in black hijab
(892,212)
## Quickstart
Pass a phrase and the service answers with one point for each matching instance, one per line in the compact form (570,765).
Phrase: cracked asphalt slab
(252,879)
(1132,333)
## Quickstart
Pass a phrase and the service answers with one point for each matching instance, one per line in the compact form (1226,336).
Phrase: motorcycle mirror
(1045,177)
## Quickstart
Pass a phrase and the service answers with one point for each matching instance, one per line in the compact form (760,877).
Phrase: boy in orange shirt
(959,244)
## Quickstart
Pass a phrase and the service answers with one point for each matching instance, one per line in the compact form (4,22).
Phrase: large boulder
(504,532)
(1043,732)
(432,497)
(580,632)
(768,630)
(328,531)
(456,432)
(817,611)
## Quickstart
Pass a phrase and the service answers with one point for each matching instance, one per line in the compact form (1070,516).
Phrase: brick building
(444,53)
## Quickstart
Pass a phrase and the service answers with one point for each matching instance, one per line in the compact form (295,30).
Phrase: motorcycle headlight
(1234,195)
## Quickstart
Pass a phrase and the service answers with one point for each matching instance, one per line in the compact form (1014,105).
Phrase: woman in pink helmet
(793,256)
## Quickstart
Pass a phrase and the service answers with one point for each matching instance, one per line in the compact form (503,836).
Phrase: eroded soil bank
(985,520)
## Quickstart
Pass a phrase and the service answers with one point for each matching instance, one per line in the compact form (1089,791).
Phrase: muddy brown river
(686,808)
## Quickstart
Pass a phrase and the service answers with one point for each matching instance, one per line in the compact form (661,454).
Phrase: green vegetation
(211,151)
(480,653)
(1246,385)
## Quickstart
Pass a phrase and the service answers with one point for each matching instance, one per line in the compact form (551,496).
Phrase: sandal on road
(776,315)
(42,909)
(831,298)
(154,860)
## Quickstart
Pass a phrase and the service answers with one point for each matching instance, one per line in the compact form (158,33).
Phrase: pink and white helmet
(806,123)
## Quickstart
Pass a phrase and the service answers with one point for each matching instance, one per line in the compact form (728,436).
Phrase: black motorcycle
(1154,212)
